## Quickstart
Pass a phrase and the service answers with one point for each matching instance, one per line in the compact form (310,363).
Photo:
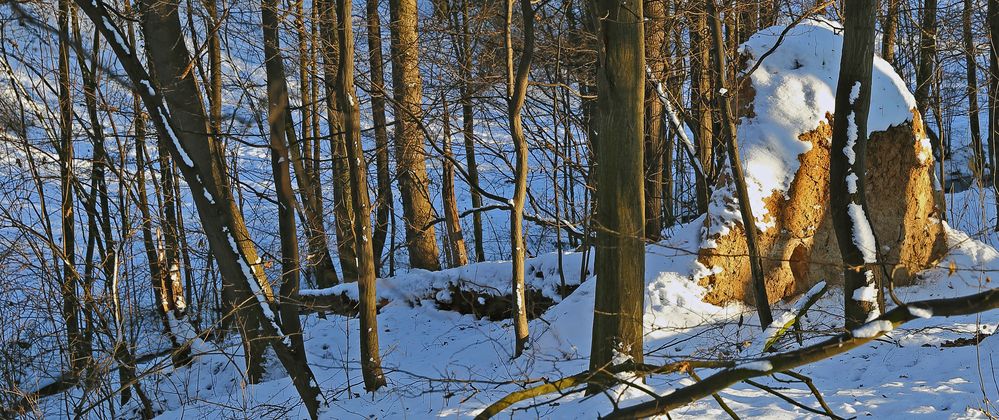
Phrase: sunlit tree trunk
(371,363)
(516,95)
(384,203)
(411,167)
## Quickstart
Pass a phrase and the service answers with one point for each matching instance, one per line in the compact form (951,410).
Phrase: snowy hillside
(443,364)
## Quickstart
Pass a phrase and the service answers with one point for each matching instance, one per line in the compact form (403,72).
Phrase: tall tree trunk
(171,296)
(700,108)
(516,95)
(655,55)
(620,248)
(457,255)
(993,22)
(738,178)
(320,262)
(279,119)
(890,29)
(384,201)
(970,54)
(846,167)
(342,198)
(411,167)
(184,126)
(468,124)
(926,69)
(78,354)
(371,363)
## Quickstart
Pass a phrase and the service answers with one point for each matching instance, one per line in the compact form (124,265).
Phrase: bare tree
(735,165)
(846,166)
(371,362)
(516,91)
(383,203)
(279,120)
(411,166)
(620,224)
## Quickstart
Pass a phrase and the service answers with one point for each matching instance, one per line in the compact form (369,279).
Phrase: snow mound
(795,89)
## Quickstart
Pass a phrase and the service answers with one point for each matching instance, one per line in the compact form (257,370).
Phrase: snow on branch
(733,373)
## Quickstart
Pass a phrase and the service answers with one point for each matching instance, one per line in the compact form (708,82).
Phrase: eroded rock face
(800,248)
(784,133)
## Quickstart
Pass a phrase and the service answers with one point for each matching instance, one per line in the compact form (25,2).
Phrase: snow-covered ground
(443,364)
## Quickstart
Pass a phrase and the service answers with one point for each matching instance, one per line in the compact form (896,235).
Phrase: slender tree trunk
(738,178)
(371,364)
(890,29)
(184,126)
(516,95)
(384,201)
(171,296)
(846,167)
(457,255)
(411,165)
(993,23)
(78,354)
(620,248)
(342,198)
(970,54)
(700,97)
(468,128)
(655,55)
(319,260)
(279,119)
(926,69)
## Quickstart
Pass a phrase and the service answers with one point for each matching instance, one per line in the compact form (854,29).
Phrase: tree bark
(342,198)
(890,28)
(993,22)
(970,54)
(78,354)
(516,95)
(384,201)
(735,164)
(468,122)
(279,119)
(655,55)
(926,68)
(846,166)
(371,368)
(620,223)
(700,97)
(457,254)
(303,163)
(411,166)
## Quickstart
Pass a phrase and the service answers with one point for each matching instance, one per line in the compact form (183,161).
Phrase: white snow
(872,328)
(760,365)
(920,312)
(863,235)
(867,293)
(878,380)
(851,139)
(854,92)
(851,183)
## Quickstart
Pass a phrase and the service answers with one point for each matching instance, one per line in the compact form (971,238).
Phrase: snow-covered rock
(784,135)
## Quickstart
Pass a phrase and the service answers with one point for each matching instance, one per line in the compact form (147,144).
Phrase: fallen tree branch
(733,373)
(841,343)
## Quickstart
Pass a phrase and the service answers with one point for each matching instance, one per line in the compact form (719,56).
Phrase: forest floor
(444,364)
